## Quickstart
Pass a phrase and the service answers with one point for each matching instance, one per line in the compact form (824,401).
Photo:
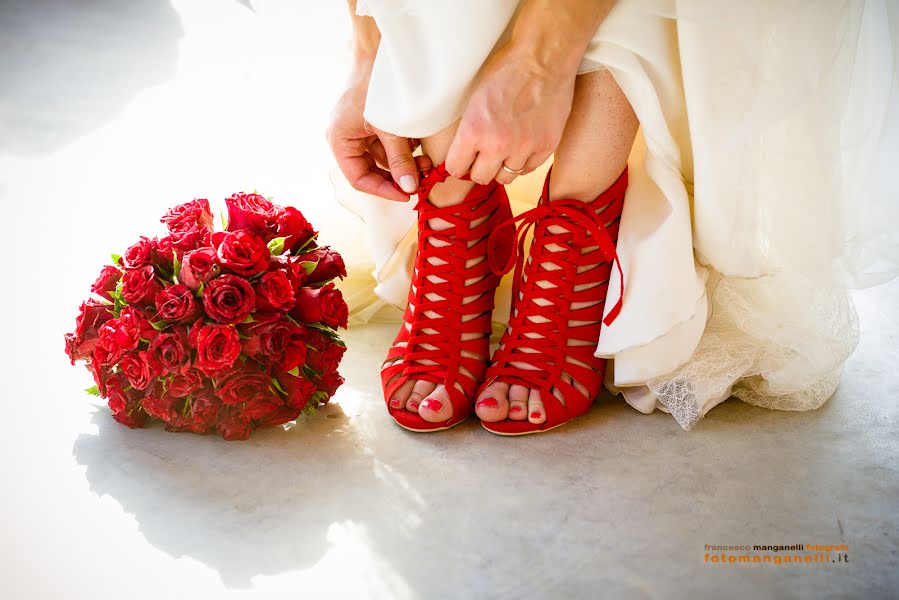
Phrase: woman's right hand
(369,158)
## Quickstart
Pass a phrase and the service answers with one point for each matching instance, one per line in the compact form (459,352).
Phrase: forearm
(553,34)
(366,38)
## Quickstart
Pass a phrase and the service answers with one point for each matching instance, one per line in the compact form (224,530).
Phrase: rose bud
(185,383)
(204,411)
(80,344)
(170,353)
(198,267)
(140,286)
(241,252)
(228,299)
(321,305)
(188,216)
(133,325)
(106,282)
(252,212)
(115,392)
(176,304)
(260,407)
(294,226)
(189,239)
(218,346)
(325,358)
(235,428)
(330,264)
(274,292)
(138,369)
(139,255)
(163,255)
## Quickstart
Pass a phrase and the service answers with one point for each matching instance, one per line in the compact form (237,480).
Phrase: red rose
(131,414)
(80,344)
(260,407)
(170,353)
(329,384)
(163,255)
(140,285)
(244,385)
(189,239)
(185,383)
(241,252)
(188,216)
(326,356)
(235,428)
(284,414)
(228,299)
(162,407)
(280,342)
(139,255)
(329,264)
(299,389)
(115,392)
(106,282)
(254,213)
(138,368)
(274,292)
(321,305)
(218,346)
(293,226)
(198,267)
(204,410)
(176,304)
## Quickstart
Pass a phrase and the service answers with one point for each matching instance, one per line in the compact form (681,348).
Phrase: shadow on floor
(67,67)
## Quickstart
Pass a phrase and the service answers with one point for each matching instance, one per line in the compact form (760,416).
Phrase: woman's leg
(592,154)
(431,401)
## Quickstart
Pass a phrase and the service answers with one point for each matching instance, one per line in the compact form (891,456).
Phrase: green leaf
(309,266)
(310,373)
(319,396)
(310,241)
(249,319)
(93,390)
(224,220)
(200,290)
(294,371)
(176,266)
(159,325)
(278,387)
(115,258)
(276,246)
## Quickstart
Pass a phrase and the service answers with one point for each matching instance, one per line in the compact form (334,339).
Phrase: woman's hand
(364,153)
(515,116)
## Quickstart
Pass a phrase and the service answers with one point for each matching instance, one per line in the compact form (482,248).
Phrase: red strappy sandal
(553,354)
(430,347)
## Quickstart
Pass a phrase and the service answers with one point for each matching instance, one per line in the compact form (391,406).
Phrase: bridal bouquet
(216,330)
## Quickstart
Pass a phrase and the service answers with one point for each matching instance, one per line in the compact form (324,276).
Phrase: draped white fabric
(762,183)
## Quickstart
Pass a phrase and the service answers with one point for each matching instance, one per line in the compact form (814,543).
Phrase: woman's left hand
(515,117)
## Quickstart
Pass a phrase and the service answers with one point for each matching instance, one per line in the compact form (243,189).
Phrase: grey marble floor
(112,111)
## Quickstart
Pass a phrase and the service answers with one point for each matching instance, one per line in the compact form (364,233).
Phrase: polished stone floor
(112,111)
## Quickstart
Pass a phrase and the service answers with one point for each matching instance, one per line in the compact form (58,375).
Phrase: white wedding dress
(763,183)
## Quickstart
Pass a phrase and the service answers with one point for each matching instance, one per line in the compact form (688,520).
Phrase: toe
(436,406)
(518,403)
(493,403)
(536,411)
(420,391)
(401,395)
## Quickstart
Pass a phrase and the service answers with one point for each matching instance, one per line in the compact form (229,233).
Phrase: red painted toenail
(488,402)
(395,403)
(515,409)
(432,404)
(413,405)
(535,415)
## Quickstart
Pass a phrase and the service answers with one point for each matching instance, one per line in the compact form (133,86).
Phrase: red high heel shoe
(429,345)
(563,348)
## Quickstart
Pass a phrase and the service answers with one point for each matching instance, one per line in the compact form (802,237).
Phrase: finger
(424,162)
(400,161)
(376,149)
(364,175)
(461,154)
(518,163)
(486,167)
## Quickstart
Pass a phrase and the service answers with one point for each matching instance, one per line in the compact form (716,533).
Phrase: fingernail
(535,415)
(432,404)
(407,182)
(491,402)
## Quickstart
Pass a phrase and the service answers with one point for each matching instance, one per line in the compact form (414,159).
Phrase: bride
(718,184)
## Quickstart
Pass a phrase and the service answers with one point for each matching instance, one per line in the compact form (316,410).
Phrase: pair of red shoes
(557,306)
